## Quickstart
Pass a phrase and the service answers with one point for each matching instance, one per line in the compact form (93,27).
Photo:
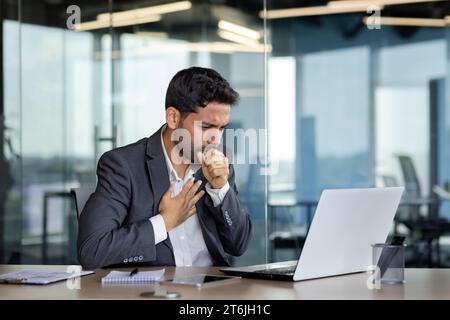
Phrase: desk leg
(44,230)
(430,254)
(270,229)
(438,253)
(308,216)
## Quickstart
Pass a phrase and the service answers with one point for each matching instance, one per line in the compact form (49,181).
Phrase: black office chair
(81,196)
(423,228)
(291,238)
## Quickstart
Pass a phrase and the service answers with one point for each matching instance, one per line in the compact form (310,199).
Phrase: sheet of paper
(39,276)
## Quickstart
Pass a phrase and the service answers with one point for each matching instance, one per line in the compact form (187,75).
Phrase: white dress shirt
(189,247)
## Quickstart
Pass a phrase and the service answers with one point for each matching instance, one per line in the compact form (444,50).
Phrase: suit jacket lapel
(157,170)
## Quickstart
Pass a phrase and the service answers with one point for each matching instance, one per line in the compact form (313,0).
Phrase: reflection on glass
(75,93)
(151,54)
(363,96)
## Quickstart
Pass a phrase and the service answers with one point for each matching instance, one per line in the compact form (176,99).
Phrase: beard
(187,154)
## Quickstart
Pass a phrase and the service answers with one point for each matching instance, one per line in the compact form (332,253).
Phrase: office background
(344,103)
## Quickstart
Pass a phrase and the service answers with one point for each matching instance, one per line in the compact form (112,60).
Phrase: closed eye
(207,126)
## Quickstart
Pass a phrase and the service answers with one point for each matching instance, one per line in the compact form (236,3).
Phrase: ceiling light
(238,29)
(230,36)
(133,17)
(147,11)
(335,7)
(101,24)
(405,22)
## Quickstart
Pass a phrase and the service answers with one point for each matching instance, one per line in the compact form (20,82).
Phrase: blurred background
(351,93)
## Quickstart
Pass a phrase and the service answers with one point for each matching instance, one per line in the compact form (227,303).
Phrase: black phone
(388,254)
(201,280)
(161,294)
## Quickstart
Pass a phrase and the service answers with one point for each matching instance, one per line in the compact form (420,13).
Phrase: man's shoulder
(128,152)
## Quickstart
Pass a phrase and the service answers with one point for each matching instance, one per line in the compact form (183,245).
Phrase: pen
(132,273)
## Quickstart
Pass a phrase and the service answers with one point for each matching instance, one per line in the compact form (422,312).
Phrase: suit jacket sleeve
(103,239)
(233,222)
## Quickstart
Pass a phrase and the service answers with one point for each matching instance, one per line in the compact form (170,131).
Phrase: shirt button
(141,258)
(125,260)
(135,259)
(182,237)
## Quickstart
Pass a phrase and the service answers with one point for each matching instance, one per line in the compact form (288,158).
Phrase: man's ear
(173,117)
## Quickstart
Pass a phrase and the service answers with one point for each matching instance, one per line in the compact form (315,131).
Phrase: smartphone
(201,280)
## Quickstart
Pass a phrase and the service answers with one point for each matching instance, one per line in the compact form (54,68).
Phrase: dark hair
(196,87)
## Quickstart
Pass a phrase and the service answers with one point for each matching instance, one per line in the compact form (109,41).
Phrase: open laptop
(345,224)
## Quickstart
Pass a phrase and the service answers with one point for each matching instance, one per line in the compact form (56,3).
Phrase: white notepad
(121,277)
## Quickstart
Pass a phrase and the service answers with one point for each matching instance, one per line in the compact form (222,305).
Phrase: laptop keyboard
(281,270)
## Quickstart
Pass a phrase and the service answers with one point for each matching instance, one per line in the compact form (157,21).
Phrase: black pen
(132,273)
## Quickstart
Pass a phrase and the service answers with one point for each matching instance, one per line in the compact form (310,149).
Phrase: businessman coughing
(170,199)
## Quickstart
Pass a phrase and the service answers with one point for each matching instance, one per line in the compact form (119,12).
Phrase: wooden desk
(420,284)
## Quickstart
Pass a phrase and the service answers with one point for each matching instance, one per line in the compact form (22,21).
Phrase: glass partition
(333,95)
(83,77)
(369,109)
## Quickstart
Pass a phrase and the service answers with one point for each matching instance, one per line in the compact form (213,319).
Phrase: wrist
(168,223)
(218,185)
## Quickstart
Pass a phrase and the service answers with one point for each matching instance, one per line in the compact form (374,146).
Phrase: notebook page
(140,277)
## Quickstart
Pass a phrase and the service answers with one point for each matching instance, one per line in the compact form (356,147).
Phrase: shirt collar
(191,169)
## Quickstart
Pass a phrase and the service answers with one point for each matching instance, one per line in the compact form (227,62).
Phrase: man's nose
(214,137)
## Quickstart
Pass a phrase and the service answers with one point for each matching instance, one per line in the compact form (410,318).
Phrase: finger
(206,160)
(187,186)
(218,164)
(210,151)
(216,159)
(219,172)
(197,197)
(193,190)
(218,152)
(200,157)
(169,191)
(211,155)
(192,211)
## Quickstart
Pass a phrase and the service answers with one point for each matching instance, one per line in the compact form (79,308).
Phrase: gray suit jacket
(114,226)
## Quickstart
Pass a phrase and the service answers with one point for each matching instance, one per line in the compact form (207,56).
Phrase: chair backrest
(389,181)
(412,184)
(81,196)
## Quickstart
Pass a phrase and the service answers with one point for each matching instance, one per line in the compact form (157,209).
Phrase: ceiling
(202,18)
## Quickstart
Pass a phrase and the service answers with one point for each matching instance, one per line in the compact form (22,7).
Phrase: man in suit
(157,203)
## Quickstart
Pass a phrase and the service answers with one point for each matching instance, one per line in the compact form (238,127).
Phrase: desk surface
(420,284)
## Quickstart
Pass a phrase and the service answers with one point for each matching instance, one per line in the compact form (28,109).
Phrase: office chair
(293,238)
(81,196)
(424,228)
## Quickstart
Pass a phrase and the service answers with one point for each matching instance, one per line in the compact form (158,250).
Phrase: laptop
(345,225)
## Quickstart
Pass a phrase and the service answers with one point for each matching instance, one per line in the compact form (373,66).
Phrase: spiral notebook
(120,277)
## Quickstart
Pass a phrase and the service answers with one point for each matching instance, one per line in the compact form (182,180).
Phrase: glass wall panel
(10,134)
(370,109)
(79,81)
(149,55)
(338,102)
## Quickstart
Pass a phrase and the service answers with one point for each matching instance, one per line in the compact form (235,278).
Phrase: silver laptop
(345,224)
